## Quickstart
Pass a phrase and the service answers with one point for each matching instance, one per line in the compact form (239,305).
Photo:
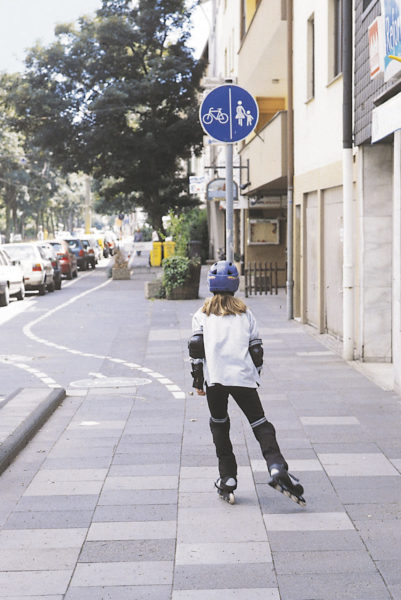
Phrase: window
(243,18)
(337,37)
(310,70)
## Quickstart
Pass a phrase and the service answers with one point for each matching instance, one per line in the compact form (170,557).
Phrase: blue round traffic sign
(229,113)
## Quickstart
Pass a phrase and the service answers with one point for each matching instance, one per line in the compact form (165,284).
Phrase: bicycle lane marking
(170,386)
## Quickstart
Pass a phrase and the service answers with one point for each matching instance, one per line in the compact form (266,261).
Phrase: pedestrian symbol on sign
(229,113)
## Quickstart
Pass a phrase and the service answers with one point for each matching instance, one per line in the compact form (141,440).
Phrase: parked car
(89,246)
(51,254)
(77,247)
(68,260)
(11,279)
(37,269)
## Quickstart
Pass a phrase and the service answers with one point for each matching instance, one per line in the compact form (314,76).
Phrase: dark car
(77,247)
(90,249)
(68,260)
(51,254)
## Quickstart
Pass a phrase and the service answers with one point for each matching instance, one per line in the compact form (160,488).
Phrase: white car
(38,270)
(11,279)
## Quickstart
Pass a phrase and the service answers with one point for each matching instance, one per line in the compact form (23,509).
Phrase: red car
(68,260)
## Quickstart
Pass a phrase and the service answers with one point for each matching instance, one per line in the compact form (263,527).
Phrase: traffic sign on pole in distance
(229,113)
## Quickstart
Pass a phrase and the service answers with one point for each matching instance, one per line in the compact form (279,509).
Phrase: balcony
(262,57)
(267,154)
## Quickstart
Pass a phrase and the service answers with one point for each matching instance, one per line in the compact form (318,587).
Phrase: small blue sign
(229,113)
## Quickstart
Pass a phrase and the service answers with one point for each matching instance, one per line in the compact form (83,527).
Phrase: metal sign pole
(229,204)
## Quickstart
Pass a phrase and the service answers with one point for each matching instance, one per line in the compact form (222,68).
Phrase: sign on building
(196,184)
(391,14)
(376,47)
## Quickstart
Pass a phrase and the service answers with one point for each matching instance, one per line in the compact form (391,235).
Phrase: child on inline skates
(226,355)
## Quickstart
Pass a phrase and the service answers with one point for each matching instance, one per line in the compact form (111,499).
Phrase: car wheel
(5,298)
(84,266)
(51,287)
(42,289)
(21,293)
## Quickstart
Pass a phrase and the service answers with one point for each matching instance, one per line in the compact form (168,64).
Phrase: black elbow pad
(256,352)
(195,345)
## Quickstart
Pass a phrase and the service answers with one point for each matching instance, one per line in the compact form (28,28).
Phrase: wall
(376,217)
(317,121)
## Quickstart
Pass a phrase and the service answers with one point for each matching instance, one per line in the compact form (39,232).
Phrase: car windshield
(73,243)
(21,252)
(58,247)
(85,243)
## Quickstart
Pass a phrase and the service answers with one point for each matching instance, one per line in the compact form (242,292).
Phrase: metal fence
(262,278)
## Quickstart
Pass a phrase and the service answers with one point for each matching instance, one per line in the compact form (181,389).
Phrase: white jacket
(226,340)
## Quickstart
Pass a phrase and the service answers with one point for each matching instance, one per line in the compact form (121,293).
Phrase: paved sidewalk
(113,499)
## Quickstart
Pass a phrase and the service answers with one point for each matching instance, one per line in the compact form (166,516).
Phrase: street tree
(116,97)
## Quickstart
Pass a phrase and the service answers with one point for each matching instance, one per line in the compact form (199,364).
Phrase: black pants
(249,402)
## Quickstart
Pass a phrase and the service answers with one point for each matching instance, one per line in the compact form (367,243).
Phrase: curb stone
(30,423)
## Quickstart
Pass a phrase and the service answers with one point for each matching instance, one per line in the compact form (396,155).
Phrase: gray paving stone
(35,598)
(315,541)
(233,594)
(128,551)
(202,525)
(144,470)
(131,459)
(138,530)
(382,538)
(385,512)
(39,583)
(382,495)
(64,503)
(390,570)
(78,462)
(53,519)
(123,573)
(130,497)
(42,559)
(223,553)
(137,592)
(144,512)
(332,586)
(203,577)
(42,538)
(333,561)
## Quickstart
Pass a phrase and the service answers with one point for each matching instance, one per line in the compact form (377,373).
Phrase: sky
(23,22)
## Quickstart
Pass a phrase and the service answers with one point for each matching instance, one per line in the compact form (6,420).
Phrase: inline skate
(287,484)
(225,488)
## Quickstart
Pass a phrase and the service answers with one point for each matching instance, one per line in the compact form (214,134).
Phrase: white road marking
(175,390)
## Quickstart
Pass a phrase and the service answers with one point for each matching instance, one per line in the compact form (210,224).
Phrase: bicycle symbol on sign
(215,114)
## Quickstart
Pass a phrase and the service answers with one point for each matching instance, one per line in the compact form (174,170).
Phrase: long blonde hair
(223,304)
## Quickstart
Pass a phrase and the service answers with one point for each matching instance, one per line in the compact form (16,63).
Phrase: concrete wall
(376,216)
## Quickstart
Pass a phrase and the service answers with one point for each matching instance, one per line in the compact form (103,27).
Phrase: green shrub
(176,270)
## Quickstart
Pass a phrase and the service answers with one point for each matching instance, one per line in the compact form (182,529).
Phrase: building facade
(377,123)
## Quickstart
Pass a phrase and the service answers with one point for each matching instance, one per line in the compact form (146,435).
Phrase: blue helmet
(223,277)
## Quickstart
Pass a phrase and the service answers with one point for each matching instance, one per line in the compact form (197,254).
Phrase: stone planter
(188,290)
(120,273)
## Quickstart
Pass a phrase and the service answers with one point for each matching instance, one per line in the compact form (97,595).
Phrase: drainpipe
(290,165)
(348,255)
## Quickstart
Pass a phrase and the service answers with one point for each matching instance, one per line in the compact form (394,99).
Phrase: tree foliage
(116,97)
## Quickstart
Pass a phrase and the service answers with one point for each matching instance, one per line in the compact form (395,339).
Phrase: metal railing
(262,278)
